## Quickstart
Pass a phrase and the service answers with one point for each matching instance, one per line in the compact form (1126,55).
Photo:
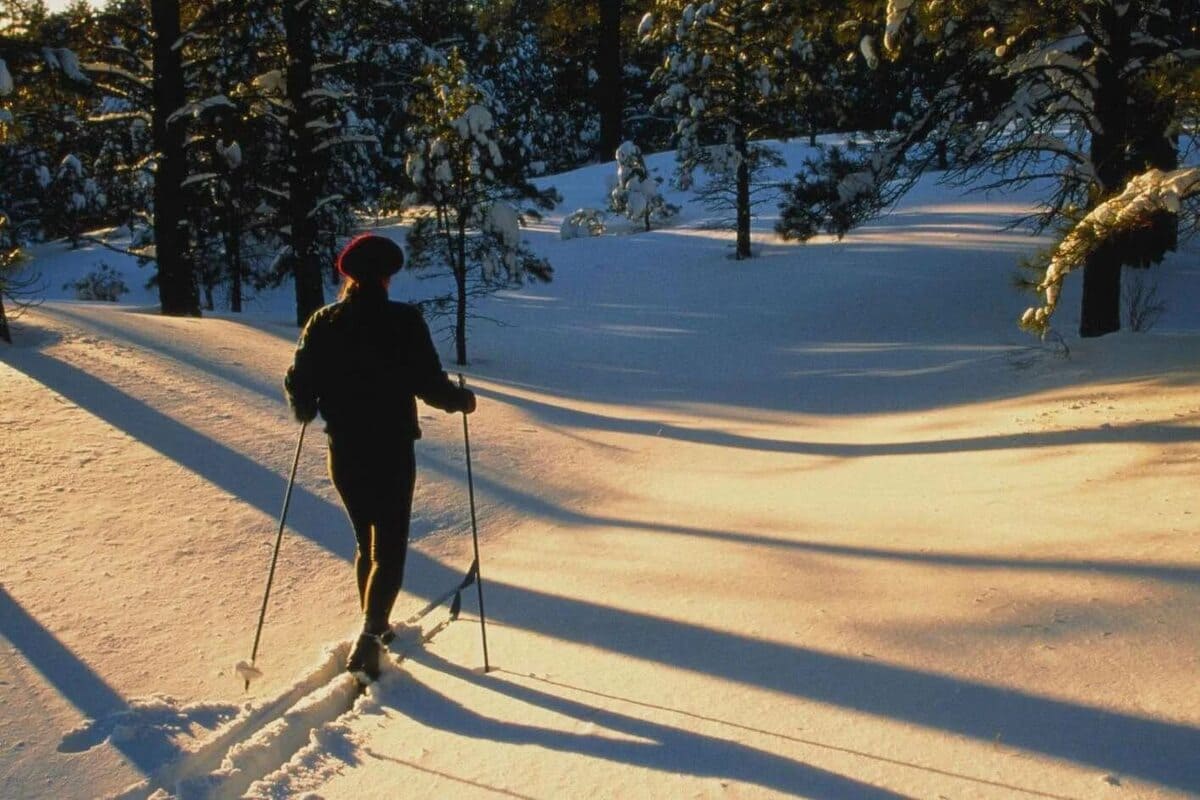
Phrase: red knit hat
(370,257)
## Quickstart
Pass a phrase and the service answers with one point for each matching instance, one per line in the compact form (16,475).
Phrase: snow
(646,25)
(822,524)
(867,46)
(68,62)
(897,10)
(271,82)
(231,153)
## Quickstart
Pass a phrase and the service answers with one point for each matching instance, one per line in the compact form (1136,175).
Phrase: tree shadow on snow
(566,416)
(532,505)
(1120,743)
(79,685)
(664,748)
(312,516)
(1156,751)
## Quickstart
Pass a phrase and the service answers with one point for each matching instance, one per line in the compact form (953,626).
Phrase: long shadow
(212,460)
(534,505)
(1157,433)
(132,335)
(1117,742)
(667,749)
(1150,749)
(79,685)
(310,515)
(725,723)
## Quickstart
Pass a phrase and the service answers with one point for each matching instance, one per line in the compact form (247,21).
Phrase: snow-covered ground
(820,524)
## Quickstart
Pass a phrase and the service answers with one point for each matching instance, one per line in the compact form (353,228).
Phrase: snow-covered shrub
(582,222)
(636,194)
(102,284)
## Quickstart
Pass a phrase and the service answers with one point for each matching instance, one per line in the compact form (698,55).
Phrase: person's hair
(362,290)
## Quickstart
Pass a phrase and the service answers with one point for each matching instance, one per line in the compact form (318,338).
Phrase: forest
(234,144)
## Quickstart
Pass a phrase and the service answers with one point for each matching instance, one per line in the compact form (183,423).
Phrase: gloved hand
(468,401)
(304,412)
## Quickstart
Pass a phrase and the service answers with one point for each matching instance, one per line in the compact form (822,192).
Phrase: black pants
(375,479)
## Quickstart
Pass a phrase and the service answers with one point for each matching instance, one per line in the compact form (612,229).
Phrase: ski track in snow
(272,747)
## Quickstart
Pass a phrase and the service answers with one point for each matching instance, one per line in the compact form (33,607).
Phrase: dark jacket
(362,362)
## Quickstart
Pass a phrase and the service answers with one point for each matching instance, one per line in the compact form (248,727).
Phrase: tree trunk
(743,195)
(235,270)
(1132,125)
(302,167)
(4,332)
(460,280)
(1101,312)
(1101,309)
(177,290)
(610,94)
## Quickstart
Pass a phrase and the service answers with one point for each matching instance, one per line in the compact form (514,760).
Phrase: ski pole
(474,532)
(287,499)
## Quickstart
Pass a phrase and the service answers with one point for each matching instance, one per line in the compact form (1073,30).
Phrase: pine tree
(1085,95)
(467,170)
(16,285)
(726,77)
(177,288)
(230,149)
(34,65)
(75,198)
(42,106)
(636,194)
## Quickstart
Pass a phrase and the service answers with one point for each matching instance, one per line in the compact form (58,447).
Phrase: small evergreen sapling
(636,194)
(468,175)
(582,222)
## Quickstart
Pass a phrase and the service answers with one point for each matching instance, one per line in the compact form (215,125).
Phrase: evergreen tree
(1083,94)
(726,73)
(74,198)
(177,289)
(467,170)
(636,194)
(141,104)
(42,106)
(34,63)
(610,82)
(18,286)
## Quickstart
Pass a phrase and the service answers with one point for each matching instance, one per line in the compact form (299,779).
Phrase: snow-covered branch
(1144,196)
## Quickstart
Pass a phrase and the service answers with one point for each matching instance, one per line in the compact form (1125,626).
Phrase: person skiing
(362,362)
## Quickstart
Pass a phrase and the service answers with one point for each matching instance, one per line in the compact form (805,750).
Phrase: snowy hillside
(823,523)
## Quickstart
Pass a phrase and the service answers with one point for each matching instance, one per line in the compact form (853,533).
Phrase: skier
(361,362)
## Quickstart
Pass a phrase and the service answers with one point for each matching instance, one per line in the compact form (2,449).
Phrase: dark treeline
(235,144)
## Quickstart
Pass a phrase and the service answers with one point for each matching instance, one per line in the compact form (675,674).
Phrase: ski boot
(363,663)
